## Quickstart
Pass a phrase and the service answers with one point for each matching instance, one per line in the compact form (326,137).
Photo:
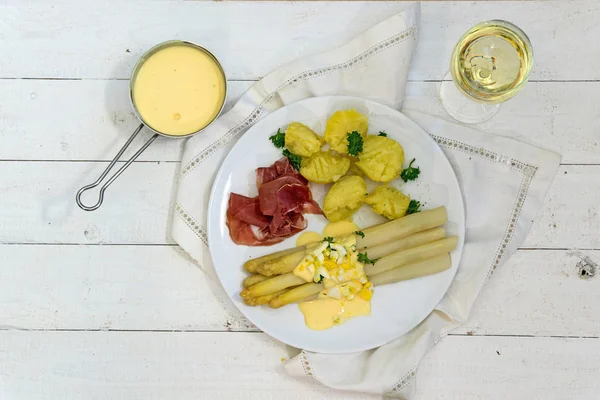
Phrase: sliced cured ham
(286,225)
(246,223)
(282,167)
(244,233)
(286,192)
(276,213)
(247,209)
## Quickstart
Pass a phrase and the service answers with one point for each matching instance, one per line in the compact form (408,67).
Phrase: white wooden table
(103,305)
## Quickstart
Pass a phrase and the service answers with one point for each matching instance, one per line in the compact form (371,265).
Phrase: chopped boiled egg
(333,292)
(366,292)
(334,263)
(320,274)
(306,268)
(320,249)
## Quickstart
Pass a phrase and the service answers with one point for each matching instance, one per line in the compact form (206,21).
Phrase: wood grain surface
(104,305)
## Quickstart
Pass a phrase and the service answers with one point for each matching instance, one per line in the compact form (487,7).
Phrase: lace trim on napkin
(395,391)
(192,223)
(306,365)
(527,173)
(397,388)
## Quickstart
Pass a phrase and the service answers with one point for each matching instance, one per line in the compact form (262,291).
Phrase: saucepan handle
(116,174)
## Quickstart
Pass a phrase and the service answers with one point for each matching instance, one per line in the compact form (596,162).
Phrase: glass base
(462,108)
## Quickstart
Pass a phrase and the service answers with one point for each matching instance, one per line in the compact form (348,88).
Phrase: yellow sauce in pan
(179,90)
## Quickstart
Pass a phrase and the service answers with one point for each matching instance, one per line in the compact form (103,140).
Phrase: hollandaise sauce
(347,292)
(332,229)
(326,313)
(308,237)
(178,90)
(340,228)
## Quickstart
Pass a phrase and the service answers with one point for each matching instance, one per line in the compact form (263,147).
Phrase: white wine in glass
(489,65)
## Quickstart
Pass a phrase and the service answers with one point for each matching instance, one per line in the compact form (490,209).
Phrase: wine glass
(489,64)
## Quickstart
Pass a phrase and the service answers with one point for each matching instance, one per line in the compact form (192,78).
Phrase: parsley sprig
(364,258)
(413,207)
(295,159)
(355,143)
(278,139)
(411,173)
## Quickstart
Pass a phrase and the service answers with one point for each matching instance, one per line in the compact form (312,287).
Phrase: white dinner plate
(395,308)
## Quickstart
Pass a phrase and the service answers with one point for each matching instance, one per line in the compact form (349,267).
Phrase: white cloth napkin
(503,182)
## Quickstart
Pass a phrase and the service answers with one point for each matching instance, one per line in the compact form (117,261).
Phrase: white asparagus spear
(412,255)
(414,270)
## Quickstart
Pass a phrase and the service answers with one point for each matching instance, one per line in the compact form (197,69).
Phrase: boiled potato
(388,202)
(381,159)
(301,140)
(324,167)
(344,198)
(354,170)
(340,124)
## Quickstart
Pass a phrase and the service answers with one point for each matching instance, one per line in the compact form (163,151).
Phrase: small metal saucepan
(143,124)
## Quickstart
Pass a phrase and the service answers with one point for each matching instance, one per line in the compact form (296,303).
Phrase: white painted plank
(569,216)
(148,365)
(87,40)
(155,365)
(110,287)
(78,120)
(90,40)
(546,23)
(538,293)
(500,368)
(560,116)
(38,205)
(94,119)
(159,288)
